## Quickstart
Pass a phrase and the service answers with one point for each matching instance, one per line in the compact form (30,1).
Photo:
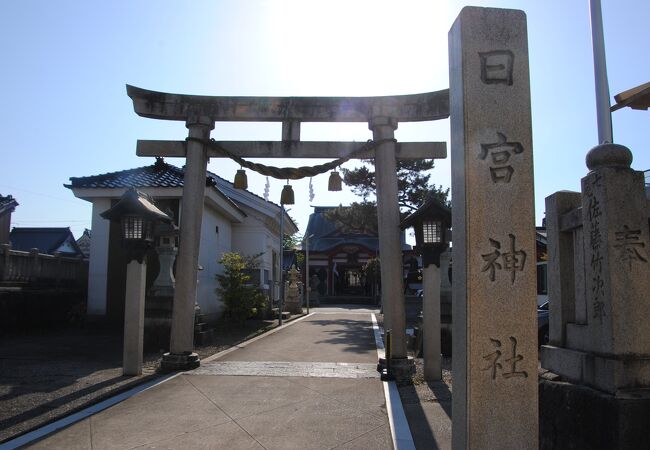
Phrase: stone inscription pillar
(494,288)
(181,356)
(615,233)
(390,250)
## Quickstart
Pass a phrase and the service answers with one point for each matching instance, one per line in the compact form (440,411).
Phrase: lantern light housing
(136,214)
(431,223)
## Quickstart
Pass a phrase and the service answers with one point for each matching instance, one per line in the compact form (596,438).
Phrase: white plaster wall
(98,262)
(212,247)
(252,237)
(66,247)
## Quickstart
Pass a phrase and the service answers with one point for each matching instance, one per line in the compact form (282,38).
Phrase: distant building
(46,240)
(337,255)
(7,206)
(84,242)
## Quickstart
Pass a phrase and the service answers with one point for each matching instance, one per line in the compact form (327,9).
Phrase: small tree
(242,299)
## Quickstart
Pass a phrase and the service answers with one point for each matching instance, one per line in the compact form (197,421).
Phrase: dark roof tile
(159,174)
(47,240)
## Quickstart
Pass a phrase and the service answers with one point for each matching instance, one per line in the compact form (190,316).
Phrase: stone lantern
(160,297)
(431,223)
(137,216)
(166,245)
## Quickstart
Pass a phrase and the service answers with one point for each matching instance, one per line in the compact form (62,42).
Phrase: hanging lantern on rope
(241,181)
(334,183)
(287,197)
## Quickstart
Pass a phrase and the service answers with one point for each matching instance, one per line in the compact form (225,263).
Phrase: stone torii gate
(200,113)
(495,362)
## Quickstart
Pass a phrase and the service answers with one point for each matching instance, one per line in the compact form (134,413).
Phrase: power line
(13,188)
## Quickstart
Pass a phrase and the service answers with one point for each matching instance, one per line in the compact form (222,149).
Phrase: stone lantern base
(172,362)
(158,322)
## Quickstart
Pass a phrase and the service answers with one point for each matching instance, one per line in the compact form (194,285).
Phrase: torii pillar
(200,112)
(181,355)
(390,248)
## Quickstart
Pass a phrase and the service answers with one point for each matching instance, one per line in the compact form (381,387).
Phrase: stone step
(285,314)
(202,326)
(347,300)
(204,337)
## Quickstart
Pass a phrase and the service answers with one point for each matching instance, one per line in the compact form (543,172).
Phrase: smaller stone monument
(314,295)
(599,349)
(159,300)
(292,297)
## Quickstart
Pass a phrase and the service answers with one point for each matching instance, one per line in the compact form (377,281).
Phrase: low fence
(33,269)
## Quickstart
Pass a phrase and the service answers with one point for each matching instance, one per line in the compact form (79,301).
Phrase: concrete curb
(399,426)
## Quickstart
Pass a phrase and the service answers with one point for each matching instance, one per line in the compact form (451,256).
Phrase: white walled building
(233,220)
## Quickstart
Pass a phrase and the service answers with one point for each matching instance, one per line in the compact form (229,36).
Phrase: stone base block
(314,299)
(400,368)
(293,307)
(157,332)
(285,314)
(577,417)
(606,373)
(204,336)
(159,306)
(172,362)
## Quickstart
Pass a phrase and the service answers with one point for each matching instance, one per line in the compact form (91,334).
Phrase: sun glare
(358,47)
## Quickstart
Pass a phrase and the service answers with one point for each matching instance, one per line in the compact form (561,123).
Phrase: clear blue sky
(65,113)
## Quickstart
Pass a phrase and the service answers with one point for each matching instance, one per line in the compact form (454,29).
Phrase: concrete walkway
(310,385)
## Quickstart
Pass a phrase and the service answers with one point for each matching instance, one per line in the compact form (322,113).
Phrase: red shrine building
(338,255)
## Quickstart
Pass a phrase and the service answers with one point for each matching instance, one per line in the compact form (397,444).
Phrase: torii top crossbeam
(291,111)
(403,108)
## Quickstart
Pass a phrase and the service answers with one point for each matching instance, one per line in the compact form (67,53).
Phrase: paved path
(311,385)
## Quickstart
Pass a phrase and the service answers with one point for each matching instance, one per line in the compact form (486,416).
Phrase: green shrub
(241,299)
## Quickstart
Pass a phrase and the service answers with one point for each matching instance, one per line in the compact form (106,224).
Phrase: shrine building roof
(327,235)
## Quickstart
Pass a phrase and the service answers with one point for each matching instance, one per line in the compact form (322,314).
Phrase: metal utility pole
(600,74)
(307,269)
(281,302)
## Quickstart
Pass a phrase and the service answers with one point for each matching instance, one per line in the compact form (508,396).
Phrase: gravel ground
(418,390)
(46,376)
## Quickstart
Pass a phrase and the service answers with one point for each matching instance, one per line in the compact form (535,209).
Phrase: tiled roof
(220,182)
(326,236)
(7,204)
(47,240)
(159,174)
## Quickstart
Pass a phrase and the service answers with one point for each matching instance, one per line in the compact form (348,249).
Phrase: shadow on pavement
(443,394)
(60,401)
(356,335)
